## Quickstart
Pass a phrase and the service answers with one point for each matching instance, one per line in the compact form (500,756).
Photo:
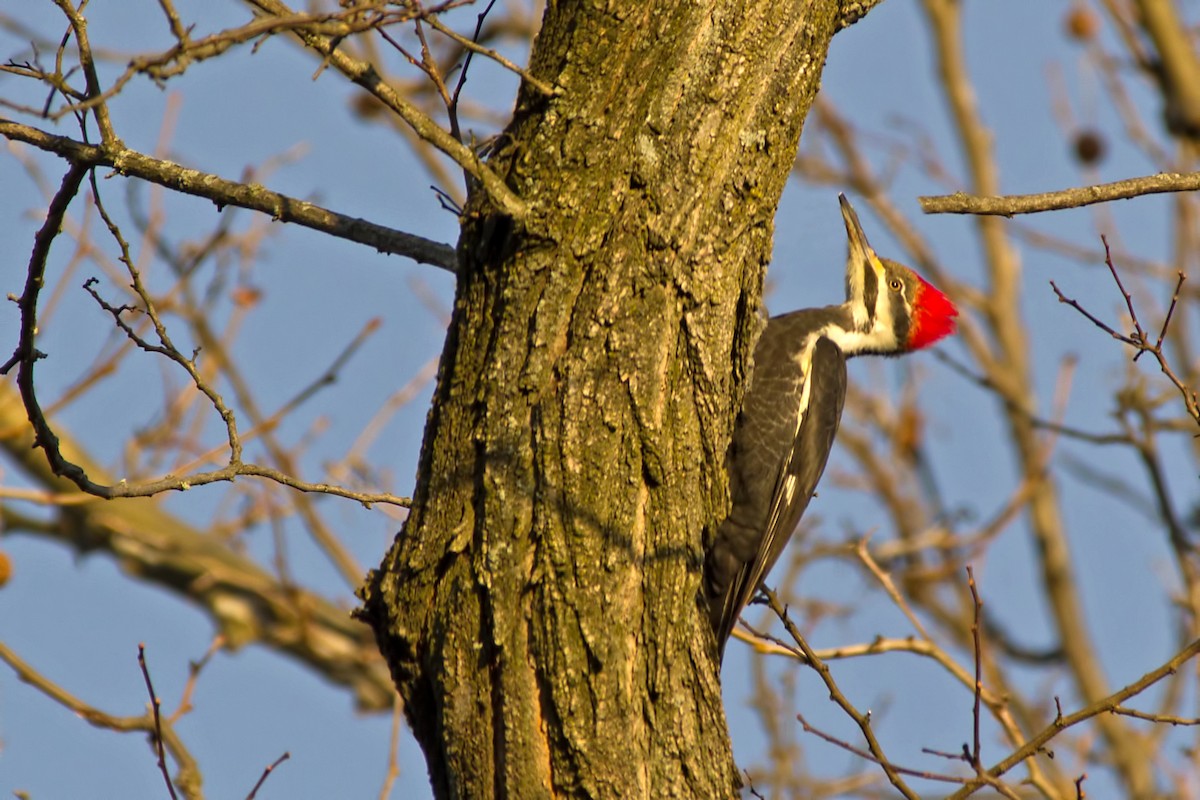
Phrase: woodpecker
(792,407)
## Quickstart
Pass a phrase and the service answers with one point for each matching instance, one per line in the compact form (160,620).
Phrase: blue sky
(79,620)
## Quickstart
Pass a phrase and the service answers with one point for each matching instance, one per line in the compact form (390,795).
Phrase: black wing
(779,450)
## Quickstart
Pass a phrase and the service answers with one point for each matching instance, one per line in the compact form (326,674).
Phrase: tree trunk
(540,608)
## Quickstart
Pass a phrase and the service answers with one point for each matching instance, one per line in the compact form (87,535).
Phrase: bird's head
(894,310)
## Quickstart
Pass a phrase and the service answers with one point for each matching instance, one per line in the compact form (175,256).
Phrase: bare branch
(266,774)
(245,602)
(224,192)
(364,74)
(861,753)
(1168,719)
(863,721)
(977,640)
(100,110)
(1010,205)
(473,46)
(26,354)
(1007,364)
(188,777)
(156,710)
(1105,704)
(1139,339)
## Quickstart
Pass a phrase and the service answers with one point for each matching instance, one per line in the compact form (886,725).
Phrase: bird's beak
(860,261)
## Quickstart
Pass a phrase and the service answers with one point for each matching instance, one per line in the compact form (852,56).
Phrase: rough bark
(540,608)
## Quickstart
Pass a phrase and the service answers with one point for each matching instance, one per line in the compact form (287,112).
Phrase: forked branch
(1138,338)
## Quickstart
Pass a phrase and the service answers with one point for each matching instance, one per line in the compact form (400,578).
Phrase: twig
(165,347)
(1037,742)
(267,773)
(473,46)
(194,668)
(863,721)
(178,29)
(750,784)
(1139,339)
(364,75)
(1010,205)
(984,382)
(452,106)
(168,349)
(188,778)
(26,354)
(79,28)
(976,638)
(1163,718)
(1162,334)
(155,709)
(174,61)
(446,201)
(858,751)
(889,586)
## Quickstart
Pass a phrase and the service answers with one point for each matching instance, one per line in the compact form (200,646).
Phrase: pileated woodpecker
(792,406)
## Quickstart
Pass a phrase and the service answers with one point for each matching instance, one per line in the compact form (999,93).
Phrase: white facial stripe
(884,319)
(860,260)
(877,333)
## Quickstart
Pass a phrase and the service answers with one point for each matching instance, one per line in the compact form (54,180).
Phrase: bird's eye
(895,284)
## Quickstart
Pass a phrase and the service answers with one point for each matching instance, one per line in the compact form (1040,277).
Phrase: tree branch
(224,192)
(1108,704)
(245,603)
(1139,338)
(1010,205)
(188,776)
(363,73)
(863,721)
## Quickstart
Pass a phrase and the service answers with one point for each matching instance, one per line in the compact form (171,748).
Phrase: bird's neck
(879,338)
